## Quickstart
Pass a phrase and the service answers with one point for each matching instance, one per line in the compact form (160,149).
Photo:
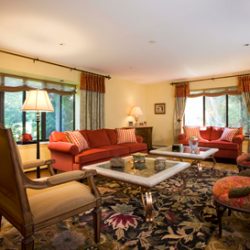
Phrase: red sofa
(211,138)
(102,146)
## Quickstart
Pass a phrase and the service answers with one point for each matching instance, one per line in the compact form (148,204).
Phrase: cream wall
(162,124)
(120,97)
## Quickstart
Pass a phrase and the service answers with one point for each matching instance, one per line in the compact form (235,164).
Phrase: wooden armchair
(32,205)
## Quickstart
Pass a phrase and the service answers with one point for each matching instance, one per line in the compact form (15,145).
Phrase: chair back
(13,198)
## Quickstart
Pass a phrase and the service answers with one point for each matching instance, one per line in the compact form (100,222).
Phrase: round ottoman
(232,193)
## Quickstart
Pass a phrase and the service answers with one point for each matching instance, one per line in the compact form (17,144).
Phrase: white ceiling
(139,40)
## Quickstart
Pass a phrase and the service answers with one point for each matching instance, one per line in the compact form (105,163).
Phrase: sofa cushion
(77,138)
(92,155)
(228,134)
(97,138)
(219,144)
(216,133)
(112,135)
(136,147)
(206,133)
(56,136)
(117,150)
(192,131)
(126,135)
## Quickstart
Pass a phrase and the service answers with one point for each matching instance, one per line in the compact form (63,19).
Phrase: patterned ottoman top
(222,187)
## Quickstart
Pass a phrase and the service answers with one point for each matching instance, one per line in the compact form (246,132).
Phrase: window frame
(204,108)
(59,90)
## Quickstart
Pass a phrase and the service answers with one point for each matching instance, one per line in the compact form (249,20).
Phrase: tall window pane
(67,112)
(194,111)
(237,113)
(53,118)
(215,114)
(13,113)
(30,126)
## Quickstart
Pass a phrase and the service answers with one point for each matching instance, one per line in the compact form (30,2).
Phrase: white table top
(146,177)
(203,154)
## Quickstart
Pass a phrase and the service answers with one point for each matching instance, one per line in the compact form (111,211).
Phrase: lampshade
(136,111)
(37,100)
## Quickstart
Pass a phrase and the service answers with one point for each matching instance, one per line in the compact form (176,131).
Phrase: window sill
(32,142)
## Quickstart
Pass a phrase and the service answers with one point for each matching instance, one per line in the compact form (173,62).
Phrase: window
(13,117)
(195,115)
(223,110)
(63,117)
(215,111)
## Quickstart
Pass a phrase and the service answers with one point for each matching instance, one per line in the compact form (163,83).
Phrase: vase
(193,144)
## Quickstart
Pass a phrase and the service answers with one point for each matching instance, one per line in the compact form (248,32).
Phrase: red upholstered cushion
(92,155)
(56,136)
(97,138)
(84,134)
(216,133)
(117,150)
(225,145)
(192,131)
(77,138)
(206,133)
(136,147)
(245,157)
(222,186)
(126,135)
(228,134)
(112,135)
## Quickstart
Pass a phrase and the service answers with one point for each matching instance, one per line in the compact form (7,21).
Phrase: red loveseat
(102,146)
(211,138)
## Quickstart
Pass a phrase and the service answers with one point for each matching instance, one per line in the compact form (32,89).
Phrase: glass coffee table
(203,153)
(146,177)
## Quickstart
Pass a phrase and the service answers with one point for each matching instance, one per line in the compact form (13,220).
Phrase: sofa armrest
(238,139)
(139,138)
(64,147)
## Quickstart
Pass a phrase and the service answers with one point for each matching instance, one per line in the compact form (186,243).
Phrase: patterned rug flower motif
(183,220)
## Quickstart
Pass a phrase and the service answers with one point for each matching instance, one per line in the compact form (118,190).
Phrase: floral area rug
(183,220)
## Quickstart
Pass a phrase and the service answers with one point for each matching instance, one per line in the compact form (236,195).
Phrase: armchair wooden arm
(64,178)
(37,164)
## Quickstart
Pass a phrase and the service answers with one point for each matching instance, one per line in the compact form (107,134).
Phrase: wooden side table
(146,133)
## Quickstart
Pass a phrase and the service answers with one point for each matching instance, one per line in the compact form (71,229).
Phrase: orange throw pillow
(126,135)
(77,138)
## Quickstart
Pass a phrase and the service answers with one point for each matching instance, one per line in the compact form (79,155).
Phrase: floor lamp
(37,101)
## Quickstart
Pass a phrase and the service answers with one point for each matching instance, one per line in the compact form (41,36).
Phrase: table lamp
(136,112)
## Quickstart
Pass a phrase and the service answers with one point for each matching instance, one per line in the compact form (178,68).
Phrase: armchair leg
(97,223)
(28,243)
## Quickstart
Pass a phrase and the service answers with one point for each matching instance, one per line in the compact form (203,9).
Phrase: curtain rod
(55,64)
(211,78)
